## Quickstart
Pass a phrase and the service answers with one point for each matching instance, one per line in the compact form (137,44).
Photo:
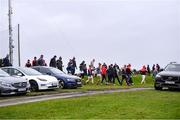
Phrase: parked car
(12,85)
(37,80)
(169,77)
(65,80)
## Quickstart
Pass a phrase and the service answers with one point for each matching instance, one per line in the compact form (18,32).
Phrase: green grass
(87,87)
(147,104)
(95,86)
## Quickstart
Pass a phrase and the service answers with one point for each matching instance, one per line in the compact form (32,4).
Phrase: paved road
(25,99)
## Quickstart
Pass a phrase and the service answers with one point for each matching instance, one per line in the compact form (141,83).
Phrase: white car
(37,80)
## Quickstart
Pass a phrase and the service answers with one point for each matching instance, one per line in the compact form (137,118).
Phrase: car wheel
(33,86)
(157,87)
(61,84)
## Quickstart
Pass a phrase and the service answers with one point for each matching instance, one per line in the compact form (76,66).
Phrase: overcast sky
(122,31)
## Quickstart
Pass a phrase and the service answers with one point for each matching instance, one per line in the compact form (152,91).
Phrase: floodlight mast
(10,33)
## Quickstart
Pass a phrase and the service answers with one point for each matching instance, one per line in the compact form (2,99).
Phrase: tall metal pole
(10,33)
(19,47)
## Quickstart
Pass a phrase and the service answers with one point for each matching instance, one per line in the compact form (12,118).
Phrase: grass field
(147,104)
(95,86)
(90,86)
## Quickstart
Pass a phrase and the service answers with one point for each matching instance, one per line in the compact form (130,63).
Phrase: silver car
(12,85)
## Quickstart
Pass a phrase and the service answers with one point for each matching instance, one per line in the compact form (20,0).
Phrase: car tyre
(33,86)
(157,87)
(61,84)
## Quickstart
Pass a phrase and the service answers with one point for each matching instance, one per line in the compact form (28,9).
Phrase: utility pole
(10,33)
(19,47)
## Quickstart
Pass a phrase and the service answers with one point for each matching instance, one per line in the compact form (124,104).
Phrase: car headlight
(5,84)
(158,76)
(41,79)
(28,84)
(69,79)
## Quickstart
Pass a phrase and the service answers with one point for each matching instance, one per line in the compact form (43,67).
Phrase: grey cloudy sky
(122,31)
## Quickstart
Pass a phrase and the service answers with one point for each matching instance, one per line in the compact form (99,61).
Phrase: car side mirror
(20,74)
(161,70)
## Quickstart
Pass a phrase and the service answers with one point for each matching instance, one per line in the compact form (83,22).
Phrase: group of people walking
(105,73)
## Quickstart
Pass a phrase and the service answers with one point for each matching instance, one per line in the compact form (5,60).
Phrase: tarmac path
(16,101)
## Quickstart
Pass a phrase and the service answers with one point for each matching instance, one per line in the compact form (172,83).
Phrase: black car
(168,78)
(65,80)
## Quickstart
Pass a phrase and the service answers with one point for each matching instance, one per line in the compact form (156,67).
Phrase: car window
(38,69)
(30,71)
(15,72)
(44,71)
(3,74)
(7,70)
(56,71)
(173,67)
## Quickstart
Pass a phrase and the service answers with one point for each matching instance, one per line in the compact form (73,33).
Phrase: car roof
(15,67)
(41,67)
(174,64)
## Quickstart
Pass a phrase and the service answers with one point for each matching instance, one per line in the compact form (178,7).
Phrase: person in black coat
(53,62)
(115,74)
(60,64)
(6,61)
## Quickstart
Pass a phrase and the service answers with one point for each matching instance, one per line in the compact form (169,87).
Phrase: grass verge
(147,104)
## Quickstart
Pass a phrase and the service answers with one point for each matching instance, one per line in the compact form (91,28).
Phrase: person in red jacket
(143,73)
(104,72)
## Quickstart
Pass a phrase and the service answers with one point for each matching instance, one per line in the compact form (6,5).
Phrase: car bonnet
(170,73)
(12,79)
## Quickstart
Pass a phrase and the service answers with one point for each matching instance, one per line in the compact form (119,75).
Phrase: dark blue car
(65,80)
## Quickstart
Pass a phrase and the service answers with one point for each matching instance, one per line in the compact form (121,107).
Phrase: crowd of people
(105,73)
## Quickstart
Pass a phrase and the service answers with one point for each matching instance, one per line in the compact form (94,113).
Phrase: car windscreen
(56,71)
(30,71)
(173,67)
(3,74)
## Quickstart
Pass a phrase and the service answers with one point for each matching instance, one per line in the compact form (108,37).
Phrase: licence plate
(169,82)
(78,82)
(22,89)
